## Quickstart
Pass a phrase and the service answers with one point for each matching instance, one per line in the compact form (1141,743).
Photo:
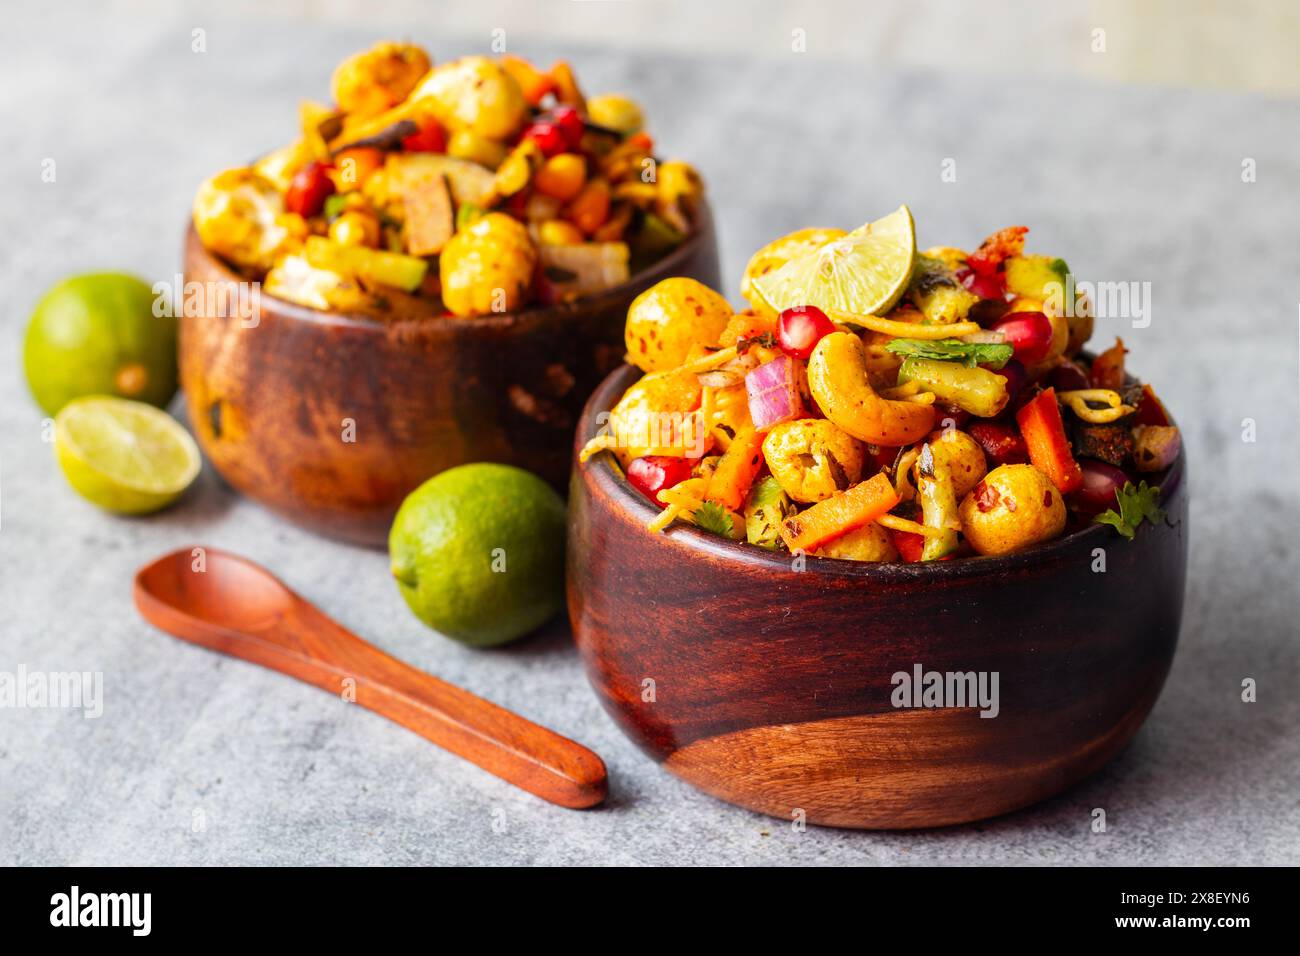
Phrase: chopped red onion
(774,392)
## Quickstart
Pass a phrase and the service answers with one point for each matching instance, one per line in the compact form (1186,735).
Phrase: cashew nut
(837,377)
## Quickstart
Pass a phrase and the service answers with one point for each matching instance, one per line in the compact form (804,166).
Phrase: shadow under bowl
(331,419)
(775,689)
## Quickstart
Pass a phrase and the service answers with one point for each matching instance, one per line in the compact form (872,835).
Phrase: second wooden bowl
(332,419)
(776,688)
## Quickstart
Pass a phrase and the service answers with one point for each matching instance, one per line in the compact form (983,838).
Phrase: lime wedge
(124,456)
(865,272)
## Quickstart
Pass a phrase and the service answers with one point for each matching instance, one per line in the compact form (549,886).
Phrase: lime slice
(865,272)
(124,456)
(777,253)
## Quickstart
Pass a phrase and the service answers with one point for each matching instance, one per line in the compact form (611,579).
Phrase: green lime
(97,335)
(478,553)
(122,455)
(864,273)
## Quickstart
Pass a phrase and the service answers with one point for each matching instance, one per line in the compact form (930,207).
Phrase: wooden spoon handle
(503,743)
(310,646)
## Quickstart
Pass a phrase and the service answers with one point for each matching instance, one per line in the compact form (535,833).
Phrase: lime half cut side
(865,272)
(124,456)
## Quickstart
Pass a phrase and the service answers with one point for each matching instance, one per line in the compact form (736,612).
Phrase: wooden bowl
(273,406)
(771,688)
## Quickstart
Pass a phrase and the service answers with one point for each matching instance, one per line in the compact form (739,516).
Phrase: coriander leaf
(1112,518)
(1135,505)
(711,516)
(993,354)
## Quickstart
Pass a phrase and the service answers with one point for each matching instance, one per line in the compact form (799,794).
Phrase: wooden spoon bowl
(331,419)
(230,605)
(772,688)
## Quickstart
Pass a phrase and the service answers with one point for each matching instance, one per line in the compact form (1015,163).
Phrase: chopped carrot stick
(566,86)
(531,80)
(740,465)
(838,515)
(1049,450)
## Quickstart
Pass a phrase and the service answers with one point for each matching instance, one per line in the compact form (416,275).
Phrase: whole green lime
(97,335)
(478,553)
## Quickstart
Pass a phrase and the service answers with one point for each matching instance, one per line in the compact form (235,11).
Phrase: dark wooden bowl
(772,687)
(270,404)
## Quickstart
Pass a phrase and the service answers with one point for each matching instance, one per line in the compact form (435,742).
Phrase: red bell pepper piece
(1002,444)
(908,545)
(1049,450)
(651,474)
(996,249)
(1150,410)
(548,136)
(882,456)
(429,138)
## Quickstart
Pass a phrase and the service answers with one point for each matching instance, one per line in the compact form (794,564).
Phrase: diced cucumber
(936,291)
(383,268)
(766,508)
(975,390)
(1030,276)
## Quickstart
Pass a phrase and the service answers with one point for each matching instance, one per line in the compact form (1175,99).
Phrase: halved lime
(865,272)
(777,253)
(124,456)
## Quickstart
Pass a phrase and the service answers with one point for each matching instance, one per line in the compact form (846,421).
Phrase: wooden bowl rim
(617,489)
(669,265)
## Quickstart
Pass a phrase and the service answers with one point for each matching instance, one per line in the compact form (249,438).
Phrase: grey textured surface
(1127,184)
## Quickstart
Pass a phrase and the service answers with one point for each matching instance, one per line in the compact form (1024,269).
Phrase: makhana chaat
(879,404)
(480,185)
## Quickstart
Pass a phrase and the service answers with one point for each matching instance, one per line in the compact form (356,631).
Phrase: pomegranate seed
(987,286)
(1029,333)
(548,137)
(652,473)
(309,189)
(801,328)
(429,138)
(570,123)
(1002,444)
(1101,482)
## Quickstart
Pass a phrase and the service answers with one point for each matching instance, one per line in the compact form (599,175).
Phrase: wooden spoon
(231,605)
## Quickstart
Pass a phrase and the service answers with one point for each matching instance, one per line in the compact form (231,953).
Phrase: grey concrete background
(1126,182)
